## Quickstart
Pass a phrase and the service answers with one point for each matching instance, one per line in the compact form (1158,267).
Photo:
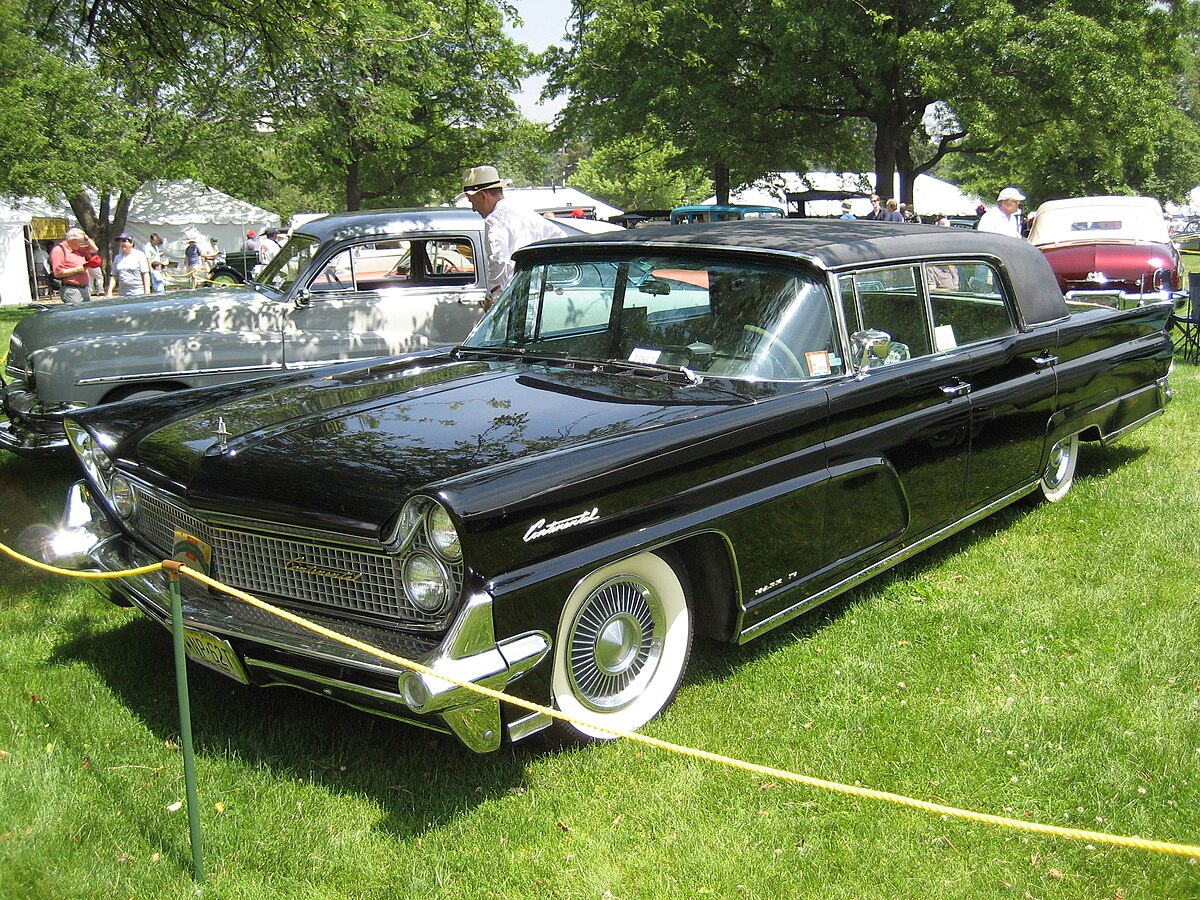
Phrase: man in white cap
(1004,218)
(506,228)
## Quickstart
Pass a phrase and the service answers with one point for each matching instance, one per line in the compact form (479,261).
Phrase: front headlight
(85,448)
(442,534)
(426,583)
(124,500)
(430,555)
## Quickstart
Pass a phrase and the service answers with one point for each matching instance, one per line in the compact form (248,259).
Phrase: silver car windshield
(291,261)
(728,319)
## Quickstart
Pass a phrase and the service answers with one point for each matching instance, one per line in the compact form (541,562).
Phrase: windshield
(282,271)
(731,319)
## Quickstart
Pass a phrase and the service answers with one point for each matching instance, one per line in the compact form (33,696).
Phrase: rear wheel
(622,647)
(1060,470)
(133,393)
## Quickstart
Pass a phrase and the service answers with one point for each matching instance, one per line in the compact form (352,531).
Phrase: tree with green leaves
(752,86)
(397,98)
(641,173)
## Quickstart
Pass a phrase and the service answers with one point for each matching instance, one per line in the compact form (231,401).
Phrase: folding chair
(1187,340)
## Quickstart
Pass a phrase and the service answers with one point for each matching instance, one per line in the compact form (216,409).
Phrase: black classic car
(653,434)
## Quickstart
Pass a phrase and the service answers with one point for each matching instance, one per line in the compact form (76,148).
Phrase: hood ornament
(222,435)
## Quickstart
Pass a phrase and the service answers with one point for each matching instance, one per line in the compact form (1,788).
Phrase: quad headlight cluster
(102,473)
(432,567)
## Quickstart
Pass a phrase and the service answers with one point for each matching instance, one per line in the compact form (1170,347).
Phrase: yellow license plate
(215,653)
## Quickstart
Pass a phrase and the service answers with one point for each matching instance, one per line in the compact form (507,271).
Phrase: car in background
(235,267)
(705,212)
(654,434)
(351,286)
(1113,250)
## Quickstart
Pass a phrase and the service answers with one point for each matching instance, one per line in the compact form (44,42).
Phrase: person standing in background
(1005,216)
(157,260)
(130,270)
(72,261)
(506,227)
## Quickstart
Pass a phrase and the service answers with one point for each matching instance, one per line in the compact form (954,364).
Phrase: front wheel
(622,647)
(1060,470)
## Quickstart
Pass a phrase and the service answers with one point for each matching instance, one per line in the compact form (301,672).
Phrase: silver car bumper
(29,428)
(253,646)
(1125,299)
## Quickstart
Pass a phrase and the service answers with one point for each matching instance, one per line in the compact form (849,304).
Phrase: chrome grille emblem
(300,564)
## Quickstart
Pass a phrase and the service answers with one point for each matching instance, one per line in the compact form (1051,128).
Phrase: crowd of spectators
(73,268)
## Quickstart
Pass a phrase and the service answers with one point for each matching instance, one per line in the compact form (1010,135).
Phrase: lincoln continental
(653,434)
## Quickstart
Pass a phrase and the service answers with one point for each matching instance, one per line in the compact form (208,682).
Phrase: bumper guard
(469,652)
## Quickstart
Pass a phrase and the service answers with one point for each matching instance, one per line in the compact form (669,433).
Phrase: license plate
(215,653)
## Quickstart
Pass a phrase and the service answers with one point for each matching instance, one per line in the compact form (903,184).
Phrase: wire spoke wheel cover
(623,644)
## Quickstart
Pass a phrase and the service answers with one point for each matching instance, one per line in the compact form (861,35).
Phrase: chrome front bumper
(275,651)
(28,428)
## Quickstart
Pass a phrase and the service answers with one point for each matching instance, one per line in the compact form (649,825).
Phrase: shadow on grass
(418,777)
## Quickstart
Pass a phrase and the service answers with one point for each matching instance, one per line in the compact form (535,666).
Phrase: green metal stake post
(185,721)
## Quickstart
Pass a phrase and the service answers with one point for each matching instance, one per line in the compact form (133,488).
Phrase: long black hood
(344,449)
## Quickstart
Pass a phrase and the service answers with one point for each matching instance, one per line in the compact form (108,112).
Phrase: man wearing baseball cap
(506,227)
(1004,217)
(71,261)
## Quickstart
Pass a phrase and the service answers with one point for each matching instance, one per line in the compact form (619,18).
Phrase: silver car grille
(306,569)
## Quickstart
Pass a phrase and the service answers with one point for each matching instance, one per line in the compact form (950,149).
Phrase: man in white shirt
(268,246)
(1004,218)
(506,228)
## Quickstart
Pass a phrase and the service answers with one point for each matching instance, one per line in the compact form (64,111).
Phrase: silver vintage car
(351,286)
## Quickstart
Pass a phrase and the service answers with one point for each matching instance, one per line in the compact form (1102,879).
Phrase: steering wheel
(785,353)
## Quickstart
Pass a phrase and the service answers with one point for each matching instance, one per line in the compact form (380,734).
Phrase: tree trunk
(887,131)
(104,225)
(353,191)
(721,182)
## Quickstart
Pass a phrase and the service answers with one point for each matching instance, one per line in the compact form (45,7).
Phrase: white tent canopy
(931,196)
(14,255)
(185,209)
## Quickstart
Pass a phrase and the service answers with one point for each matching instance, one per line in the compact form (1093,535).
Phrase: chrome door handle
(958,389)
(1046,360)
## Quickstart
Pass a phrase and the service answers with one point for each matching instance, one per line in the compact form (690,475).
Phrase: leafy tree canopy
(1022,87)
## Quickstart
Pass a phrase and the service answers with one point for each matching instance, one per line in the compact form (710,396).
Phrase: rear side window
(968,303)
(929,307)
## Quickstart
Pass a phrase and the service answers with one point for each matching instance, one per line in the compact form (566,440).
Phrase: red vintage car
(1113,250)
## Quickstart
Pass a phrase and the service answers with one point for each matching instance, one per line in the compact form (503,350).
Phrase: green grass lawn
(1041,665)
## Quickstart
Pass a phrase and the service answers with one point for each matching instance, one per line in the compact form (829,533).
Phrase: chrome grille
(305,569)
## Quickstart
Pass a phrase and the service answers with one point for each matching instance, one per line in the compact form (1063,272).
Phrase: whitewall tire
(622,646)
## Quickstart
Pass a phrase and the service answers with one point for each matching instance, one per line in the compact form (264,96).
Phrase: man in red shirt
(70,260)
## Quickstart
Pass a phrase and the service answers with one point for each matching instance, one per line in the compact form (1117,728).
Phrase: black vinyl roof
(835,244)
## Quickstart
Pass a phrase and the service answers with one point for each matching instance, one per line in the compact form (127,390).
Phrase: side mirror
(868,343)
(303,298)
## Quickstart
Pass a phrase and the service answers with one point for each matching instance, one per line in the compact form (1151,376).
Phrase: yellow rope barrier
(1078,834)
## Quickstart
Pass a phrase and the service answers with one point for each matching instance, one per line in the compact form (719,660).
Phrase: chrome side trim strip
(874,569)
(179,373)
